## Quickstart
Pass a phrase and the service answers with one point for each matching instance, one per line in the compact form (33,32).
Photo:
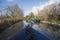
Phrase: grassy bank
(7,22)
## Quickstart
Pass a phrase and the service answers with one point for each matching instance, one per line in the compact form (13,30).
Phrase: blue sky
(26,5)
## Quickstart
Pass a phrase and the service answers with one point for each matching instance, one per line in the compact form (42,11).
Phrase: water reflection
(25,24)
(12,30)
(51,31)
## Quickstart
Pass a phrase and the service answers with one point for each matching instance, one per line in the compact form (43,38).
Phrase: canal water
(50,31)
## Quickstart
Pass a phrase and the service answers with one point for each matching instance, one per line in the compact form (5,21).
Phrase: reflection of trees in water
(54,27)
(12,30)
(29,34)
(52,31)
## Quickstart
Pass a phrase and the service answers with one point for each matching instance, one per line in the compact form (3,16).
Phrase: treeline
(50,13)
(9,16)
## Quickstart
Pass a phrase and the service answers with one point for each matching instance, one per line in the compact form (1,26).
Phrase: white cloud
(40,7)
(10,0)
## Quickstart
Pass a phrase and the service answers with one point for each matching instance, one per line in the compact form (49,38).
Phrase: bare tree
(15,11)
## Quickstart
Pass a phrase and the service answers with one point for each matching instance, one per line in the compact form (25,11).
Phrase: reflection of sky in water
(42,28)
(35,26)
(25,24)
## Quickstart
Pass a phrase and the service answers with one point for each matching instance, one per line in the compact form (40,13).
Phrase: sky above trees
(27,5)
